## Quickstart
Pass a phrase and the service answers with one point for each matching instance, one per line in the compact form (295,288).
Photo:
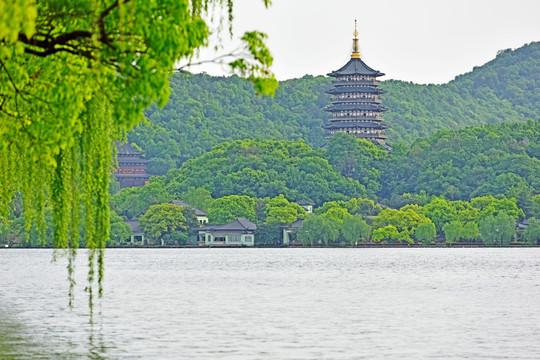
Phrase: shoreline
(299,246)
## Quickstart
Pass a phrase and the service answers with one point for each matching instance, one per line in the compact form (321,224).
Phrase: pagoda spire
(356,51)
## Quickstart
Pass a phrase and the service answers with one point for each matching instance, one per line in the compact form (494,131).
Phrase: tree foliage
(230,208)
(355,229)
(279,210)
(264,168)
(497,229)
(473,162)
(531,235)
(357,159)
(317,229)
(74,77)
(425,233)
(163,219)
(204,111)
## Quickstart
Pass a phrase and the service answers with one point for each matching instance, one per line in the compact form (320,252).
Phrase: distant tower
(356,108)
(131,171)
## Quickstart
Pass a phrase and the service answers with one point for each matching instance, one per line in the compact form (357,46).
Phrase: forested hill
(503,90)
(204,111)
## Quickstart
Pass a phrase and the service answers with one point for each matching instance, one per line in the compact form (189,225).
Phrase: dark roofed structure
(198,212)
(308,206)
(356,107)
(239,232)
(355,66)
(288,234)
(202,216)
(137,235)
(127,149)
(237,225)
(131,170)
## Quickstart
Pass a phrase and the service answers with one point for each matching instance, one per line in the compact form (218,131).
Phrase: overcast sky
(423,41)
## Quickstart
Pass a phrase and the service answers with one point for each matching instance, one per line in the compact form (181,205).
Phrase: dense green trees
(356,159)
(355,229)
(134,202)
(229,208)
(489,160)
(120,231)
(318,228)
(264,168)
(531,235)
(280,211)
(497,229)
(76,75)
(204,111)
(162,220)
(425,233)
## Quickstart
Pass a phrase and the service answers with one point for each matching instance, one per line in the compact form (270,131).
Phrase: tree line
(500,162)
(204,111)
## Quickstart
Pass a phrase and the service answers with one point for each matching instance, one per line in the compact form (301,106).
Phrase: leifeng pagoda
(356,107)
(131,171)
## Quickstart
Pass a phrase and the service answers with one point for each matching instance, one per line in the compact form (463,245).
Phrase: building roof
(126,149)
(304,202)
(355,66)
(295,225)
(239,224)
(522,224)
(134,224)
(345,107)
(198,212)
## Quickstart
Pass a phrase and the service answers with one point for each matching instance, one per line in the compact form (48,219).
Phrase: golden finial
(356,52)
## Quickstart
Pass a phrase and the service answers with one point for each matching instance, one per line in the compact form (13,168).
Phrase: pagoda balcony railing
(357,82)
(355,100)
(356,118)
(359,134)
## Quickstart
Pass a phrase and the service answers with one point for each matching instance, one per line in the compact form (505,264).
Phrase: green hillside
(476,161)
(204,111)
(501,160)
(503,90)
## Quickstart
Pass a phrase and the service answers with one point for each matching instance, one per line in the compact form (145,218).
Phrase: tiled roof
(355,67)
(354,89)
(345,107)
(237,225)
(126,149)
(198,212)
(355,125)
(134,224)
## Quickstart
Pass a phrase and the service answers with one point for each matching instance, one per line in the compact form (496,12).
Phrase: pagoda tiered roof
(369,125)
(354,89)
(357,106)
(124,160)
(355,66)
(127,149)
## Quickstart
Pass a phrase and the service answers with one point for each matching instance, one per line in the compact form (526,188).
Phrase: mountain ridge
(204,111)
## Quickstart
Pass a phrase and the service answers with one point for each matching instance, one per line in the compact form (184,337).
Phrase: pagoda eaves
(355,104)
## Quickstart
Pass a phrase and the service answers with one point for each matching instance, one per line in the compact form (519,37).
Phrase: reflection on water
(276,304)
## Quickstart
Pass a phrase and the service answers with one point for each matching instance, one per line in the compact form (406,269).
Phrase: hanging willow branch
(72,82)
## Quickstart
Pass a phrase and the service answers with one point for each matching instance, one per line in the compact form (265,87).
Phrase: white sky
(423,41)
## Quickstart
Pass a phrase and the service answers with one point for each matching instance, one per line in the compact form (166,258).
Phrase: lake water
(276,304)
